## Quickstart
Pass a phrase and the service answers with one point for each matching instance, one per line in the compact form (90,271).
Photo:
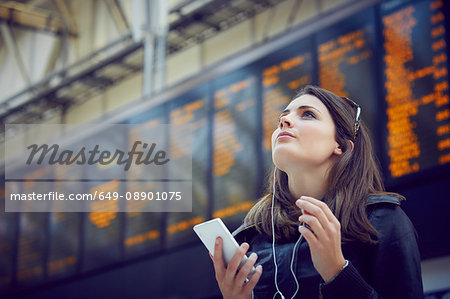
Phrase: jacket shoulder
(389,219)
(244,232)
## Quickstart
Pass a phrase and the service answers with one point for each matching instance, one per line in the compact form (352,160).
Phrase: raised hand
(323,236)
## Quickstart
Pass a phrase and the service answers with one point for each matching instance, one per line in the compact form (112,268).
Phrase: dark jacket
(389,269)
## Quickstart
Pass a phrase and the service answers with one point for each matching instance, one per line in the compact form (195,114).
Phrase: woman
(352,239)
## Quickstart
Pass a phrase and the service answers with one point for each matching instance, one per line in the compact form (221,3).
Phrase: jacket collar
(372,200)
(375,199)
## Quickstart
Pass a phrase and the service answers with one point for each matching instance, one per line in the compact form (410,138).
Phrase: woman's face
(305,135)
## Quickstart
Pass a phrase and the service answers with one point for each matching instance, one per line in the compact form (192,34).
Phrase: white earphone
(273,250)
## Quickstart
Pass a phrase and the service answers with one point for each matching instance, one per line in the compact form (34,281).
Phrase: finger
(235,262)
(246,268)
(250,285)
(308,235)
(313,225)
(219,266)
(314,209)
(330,216)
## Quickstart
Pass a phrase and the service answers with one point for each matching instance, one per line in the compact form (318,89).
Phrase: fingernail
(259,268)
(217,241)
(244,245)
(253,256)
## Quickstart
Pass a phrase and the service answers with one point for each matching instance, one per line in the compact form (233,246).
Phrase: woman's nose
(285,122)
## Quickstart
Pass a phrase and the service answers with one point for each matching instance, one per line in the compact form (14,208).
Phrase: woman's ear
(352,145)
(337,150)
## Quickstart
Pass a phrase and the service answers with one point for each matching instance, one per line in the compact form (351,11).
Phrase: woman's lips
(285,134)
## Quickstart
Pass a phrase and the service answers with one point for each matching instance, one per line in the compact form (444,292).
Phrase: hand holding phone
(209,231)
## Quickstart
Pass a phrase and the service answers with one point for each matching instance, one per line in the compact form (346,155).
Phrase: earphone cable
(273,250)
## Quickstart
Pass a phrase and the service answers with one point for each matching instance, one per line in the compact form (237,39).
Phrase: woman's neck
(312,182)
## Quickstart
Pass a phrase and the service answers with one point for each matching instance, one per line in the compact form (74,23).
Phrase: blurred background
(226,69)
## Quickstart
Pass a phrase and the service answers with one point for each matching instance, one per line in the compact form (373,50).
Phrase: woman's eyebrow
(300,108)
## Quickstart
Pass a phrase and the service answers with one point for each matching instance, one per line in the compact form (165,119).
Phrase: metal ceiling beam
(23,15)
(293,13)
(69,20)
(50,92)
(118,15)
(11,44)
(41,92)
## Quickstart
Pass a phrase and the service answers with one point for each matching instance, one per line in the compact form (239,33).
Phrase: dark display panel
(234,145)
(191,109)
(7,241)
(64,231)
(102,230)
(346,62)
(64,244)
(416,87)
(31,248)
(33,233)
(143,229)
(284,73)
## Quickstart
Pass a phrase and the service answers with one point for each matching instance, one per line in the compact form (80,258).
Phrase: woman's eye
(308,114)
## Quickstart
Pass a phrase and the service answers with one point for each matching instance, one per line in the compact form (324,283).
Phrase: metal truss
(122,58)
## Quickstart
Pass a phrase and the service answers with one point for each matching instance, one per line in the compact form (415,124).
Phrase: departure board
(33,236)
(65,231)
(190,109)
(234,145)
(64,244)
(102,230)
(7,237)
(346,62)
(284,73)
(416,86)
(143,229)
(101,244)
(31,244)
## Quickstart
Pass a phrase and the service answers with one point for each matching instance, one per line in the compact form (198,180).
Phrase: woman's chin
(282,158)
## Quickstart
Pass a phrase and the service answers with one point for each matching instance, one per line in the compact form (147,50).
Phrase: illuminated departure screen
(142,229)
(32,241)
(234,145)
(102,229)
(65,235)
(284,73)
(7,237)
(346,62)
(64,244)
(31,253)
(190,109)
(416,87)
(65,230)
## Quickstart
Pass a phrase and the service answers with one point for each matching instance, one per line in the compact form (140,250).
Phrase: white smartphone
(208,232)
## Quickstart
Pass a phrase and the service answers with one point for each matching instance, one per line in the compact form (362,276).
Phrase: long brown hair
(351,180)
